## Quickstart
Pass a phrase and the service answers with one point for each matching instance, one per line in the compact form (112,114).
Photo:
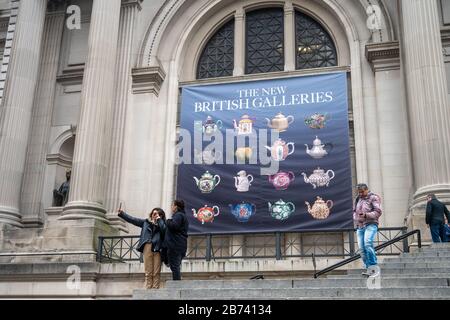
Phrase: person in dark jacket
(150,243)
(176,238)
(435,218)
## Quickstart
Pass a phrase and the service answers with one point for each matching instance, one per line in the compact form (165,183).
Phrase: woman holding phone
(153,230)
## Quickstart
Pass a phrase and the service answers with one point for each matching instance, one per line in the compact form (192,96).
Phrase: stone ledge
(147,80)
(383,56)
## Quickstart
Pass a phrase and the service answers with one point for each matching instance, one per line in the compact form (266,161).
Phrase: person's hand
(119,211)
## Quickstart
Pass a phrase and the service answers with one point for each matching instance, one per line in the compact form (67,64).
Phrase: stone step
(360,282)
(295,293)
(418,260)
(391,276)
(424,254)
(413,271)
(229,284)
(413,265)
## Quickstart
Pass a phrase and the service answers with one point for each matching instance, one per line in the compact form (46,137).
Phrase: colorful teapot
(207,182)
(280,150)
(316,121)
(281,180)
(318,149)
(245,125)
(243,211)
(243,181)
(320,209)
(281,210)
(319,178)
(210,126)
(206,214)
(280,122)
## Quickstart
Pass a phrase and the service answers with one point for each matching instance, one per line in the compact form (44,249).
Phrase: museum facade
(94,87)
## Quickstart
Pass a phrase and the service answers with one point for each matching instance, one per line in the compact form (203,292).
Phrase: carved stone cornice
(147,80)
(132,3)
(383,56)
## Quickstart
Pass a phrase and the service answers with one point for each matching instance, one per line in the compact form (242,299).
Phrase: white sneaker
(374,271)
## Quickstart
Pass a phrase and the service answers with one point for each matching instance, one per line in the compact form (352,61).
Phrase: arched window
(217,58)
(315,48)
(264,45)
(264,40)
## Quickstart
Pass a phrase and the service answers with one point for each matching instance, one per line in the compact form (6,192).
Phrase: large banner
(264,156)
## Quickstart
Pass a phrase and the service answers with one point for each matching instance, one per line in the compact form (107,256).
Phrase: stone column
(90,162)
(239,42)
(428,105)
(128,18)
(15,112)
(289,36)
(33,181)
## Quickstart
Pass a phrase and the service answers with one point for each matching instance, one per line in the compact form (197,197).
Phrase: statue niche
(61,196)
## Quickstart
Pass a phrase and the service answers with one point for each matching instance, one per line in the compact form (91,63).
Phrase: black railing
(278,245)
(403,238)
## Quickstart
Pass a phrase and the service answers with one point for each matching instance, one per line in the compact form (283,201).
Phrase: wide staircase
(424,274)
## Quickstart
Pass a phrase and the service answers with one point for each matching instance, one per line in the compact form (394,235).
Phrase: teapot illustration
(280,150)
(243,211)
(318,150)
(281,210)
(245,125)
(207,182)
(209,126)
(207,157)
(243,181)
(281,180)
(206,214)
(320,209)
(319,178)
(280,122)
(316,121)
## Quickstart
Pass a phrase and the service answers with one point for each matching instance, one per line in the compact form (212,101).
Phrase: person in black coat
(435,218)
(150,243)
(176,238)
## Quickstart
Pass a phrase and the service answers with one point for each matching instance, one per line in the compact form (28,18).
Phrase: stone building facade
(93,86)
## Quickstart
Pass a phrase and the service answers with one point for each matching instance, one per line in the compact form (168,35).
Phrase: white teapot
(243,181)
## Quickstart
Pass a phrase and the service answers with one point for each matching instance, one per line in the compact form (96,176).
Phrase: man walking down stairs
(424,274)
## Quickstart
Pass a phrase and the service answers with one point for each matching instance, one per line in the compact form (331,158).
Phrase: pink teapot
(281,180)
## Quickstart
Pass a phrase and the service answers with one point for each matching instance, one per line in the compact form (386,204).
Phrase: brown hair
(161,213)
(179,204)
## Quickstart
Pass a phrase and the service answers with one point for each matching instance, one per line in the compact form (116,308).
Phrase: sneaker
(374,271)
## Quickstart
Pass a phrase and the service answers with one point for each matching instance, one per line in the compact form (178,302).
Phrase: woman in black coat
(153,231)
(176,238)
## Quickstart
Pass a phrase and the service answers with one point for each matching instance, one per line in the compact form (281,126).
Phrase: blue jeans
(366,236)
(438,232)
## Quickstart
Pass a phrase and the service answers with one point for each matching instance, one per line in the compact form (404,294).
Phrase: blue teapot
(243,211)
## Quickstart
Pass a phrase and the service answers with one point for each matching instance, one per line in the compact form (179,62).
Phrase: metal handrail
(379,247)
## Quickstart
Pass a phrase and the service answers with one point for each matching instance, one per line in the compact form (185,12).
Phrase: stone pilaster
(239,42)
(15,112)
(128,18)
(32,187)
(428,106)
(394,149)
(91,156)
(289,36)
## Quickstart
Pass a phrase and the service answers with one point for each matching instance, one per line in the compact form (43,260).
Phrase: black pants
(175,258)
